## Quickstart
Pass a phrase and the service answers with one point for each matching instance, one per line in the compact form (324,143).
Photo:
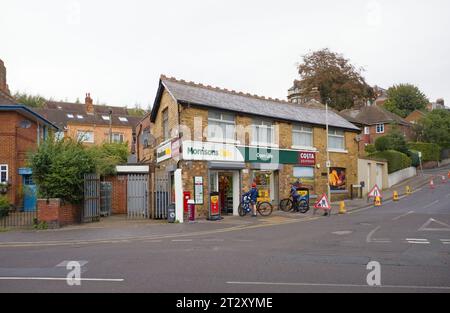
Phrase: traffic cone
(448,175)
(377,201)
(408,190)
(444,180)
(342,208)
(395,197)
(432,184)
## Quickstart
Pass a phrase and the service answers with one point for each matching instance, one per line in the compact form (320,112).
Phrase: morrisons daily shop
(220,142)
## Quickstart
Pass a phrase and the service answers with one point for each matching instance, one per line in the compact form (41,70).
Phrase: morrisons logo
(203,152)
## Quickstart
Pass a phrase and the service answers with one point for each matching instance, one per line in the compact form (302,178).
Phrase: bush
(4,206)
(414,156)
(370,149)
(382,144)
(430,151)
(392,141)
(396,160)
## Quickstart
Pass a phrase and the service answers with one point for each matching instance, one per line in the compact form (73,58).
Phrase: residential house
(92,124)
(21,131)
(375,122)
(415,116)
(439,104)
(223,141)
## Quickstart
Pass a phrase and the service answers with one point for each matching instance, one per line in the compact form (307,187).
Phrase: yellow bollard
(377,201)
(408,190)
(342,208)
(395,197)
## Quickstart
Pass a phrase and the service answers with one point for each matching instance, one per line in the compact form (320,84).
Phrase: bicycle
(301,205)
(263,208)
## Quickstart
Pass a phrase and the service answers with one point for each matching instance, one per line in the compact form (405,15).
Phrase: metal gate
(91,209)
(105,198)
(162,195)
(137,196)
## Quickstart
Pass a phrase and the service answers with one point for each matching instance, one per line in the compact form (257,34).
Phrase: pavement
(409,239)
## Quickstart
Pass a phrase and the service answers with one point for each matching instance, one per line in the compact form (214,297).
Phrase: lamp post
(328,165)
(110,126)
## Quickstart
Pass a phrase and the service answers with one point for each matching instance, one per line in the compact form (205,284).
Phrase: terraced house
(223,141)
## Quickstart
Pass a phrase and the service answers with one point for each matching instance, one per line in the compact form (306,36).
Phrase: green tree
(340,83)
(34,101)
(107,156)
(435,128)
(392,141)
(404,99)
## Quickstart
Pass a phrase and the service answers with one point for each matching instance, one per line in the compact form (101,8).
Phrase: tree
(435,128)
(392,141)
(340,84)
(107,156)
(34,101)
(403,99)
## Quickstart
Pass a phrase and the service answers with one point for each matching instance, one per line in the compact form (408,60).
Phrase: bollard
(377,201)
(395,197)
(408,190)
(432,184)
(191,211)
(342,208)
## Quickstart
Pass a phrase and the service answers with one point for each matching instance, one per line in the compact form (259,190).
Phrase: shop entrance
(226,183)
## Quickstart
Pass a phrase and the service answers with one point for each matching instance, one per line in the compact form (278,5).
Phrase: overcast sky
(117,49)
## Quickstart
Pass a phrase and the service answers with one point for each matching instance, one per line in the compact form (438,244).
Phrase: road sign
(375,192)
(323,203)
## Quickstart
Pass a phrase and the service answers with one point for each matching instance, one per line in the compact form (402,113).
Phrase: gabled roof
(371,115)
(189,93)
(28,112)
(59,112)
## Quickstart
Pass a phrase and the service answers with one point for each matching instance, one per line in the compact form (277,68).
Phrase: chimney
(89,104)
(315,94)
(3,84)
(440,102)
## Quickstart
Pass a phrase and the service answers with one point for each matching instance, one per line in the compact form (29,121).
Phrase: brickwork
(56,213)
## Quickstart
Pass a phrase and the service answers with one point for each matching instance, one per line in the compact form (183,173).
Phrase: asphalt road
(410,239)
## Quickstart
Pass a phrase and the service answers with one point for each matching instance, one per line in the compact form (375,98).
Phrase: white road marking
(431,204)
(181,240)
(338,285)
(403,215)
(418,241)
(342,232)
(445,227)
(64,263)
(213,240)
(64,279)
(369,236)
(445,241)
(153,241)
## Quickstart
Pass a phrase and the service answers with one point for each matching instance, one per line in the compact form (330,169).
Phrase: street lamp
(110,126)
(328,165)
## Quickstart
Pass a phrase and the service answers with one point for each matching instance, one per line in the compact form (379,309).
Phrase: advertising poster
(337,179)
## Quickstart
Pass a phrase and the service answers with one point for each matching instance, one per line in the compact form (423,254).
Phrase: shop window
(221,127)
(264,184)
(336,139)
(3,173)
(302,136)
(338,179)
(263,133)
(305,176)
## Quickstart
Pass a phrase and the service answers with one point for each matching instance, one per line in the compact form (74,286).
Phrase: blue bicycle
(263,208)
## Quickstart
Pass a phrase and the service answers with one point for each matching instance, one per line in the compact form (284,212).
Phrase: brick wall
(56,213)
(119,193)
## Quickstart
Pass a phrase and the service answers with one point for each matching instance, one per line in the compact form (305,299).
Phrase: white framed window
(367,130)
(263,133)
(117,138)
(59,135)
(302,136)
(123,119)
(85,136)
(3,173)
(221,127)
(70,116)
(336,139)
(105,117)
(380,128)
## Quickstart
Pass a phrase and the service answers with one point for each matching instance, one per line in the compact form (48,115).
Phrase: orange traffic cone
(377,201)
(432,184)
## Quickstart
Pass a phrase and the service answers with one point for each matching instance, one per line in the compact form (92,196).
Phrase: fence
(17,219)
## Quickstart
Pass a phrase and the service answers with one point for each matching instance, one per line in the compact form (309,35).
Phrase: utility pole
(110,126)
(328,165)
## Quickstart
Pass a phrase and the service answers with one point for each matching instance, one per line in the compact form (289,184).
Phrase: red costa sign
(307,158)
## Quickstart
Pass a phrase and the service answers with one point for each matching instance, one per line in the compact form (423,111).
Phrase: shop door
(226,192)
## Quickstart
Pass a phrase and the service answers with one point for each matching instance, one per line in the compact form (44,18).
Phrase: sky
(117,50)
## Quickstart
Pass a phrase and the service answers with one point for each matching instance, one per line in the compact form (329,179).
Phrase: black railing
(18,219)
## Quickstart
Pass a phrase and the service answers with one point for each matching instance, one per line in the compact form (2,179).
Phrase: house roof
(238,102)
(371,115)
(62,113)
(6,98)
(28,112)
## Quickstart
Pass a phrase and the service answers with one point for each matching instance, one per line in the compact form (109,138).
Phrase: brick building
(223,141)
(21,131)
(375,122)
(415,116)
(92,123)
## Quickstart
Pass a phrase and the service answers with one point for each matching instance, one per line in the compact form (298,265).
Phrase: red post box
(186,197)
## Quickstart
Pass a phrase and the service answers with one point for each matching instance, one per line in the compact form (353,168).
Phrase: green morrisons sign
(209,151)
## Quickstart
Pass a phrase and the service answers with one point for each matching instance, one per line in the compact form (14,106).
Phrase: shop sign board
(164,152)
(198,189)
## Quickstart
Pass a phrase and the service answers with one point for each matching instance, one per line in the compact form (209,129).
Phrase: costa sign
(307,158)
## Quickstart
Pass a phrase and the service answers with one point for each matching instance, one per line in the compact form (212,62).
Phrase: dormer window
(105,117)
(70,115)
(123,119)
(80,117)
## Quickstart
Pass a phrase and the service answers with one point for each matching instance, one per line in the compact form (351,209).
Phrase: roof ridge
(225,90)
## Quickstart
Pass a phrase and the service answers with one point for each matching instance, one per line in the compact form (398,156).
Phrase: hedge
(414,155)
(430,151)
(396,160)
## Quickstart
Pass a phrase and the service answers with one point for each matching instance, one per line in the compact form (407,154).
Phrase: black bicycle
(263,208)
(301,205)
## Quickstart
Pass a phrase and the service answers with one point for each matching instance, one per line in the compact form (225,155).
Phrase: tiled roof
(371,115)
(59,112)
(201,95)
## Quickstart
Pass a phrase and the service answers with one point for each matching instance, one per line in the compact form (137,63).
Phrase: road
(410,239)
